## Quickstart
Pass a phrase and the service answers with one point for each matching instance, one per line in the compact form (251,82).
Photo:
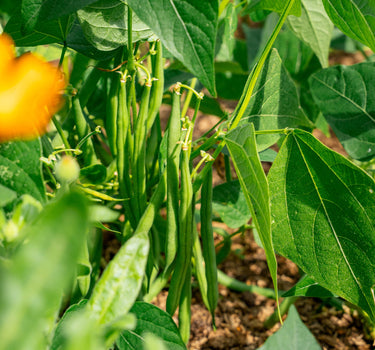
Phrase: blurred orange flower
(30,93)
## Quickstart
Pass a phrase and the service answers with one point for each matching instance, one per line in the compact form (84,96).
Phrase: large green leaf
(118,288)
(346,97)
(356,18)
(229,202)
(34,11)
(314,28)
(49,32)
(187,28)
(76,40)
(150,319)
(32,285)
(105,24)
(307,287)
(274,103)
(242,148)
(20,168)
(293,335)
(323,217)
(273,5)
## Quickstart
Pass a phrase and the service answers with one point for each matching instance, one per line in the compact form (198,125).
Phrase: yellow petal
(30,93)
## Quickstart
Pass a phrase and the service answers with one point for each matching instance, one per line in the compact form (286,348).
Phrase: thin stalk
(284,307)
(61,133)
(131,59)
(238,286)
(63,51)
(250,84)
(189,95)
(255,73)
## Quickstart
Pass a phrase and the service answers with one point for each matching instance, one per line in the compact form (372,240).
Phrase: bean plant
(108,166)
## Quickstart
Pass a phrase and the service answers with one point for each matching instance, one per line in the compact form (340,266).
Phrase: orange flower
(30,93)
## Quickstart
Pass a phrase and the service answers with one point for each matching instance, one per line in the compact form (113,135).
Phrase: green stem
(238,286)
(250,84)
(131,59)
(284,307)
(61,133)
(255,73)
(63,51)
(189,95)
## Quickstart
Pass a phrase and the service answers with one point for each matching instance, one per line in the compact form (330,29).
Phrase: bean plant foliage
(107,167)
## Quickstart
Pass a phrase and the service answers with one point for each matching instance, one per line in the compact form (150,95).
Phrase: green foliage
(314,28)
(150,320)
(229,202)
(110,16)
(293,335)
(59,290)
(355,18)
(242,147)
(32,284)
(322,207)
(345,97)
(20,168)
(187,29)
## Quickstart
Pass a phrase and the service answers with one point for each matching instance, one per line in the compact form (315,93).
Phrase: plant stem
(238,286)
(189,95)
(256,71)
(284,307)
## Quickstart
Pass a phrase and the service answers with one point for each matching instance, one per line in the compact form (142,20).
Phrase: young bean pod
(184,251)
(157,86)
(209,253)
(173,164)
(184,311)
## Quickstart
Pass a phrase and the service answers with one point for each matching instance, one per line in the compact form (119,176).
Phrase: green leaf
(295,54)
(150,319)
(307,287)
(44,33)
(229,202)
(76,332)
(273,5)
(118,288)
(20,168)
(187,28)
(78,42)
(37,11)
(356,18)
(105,24)
(226,39)
(345,95)
(293,335)
(314,28)
(32,285)
(242,148)
(272,107)
(93,174)
(60,332)
(323,217)
(6,196)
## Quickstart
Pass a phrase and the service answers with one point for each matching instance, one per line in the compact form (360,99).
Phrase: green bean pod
(83,129)
(122,126)
(185,239)
(157,86)
(111,115)
(209,253)
(173,164)
(139,155)
(184,311)
(200,271)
